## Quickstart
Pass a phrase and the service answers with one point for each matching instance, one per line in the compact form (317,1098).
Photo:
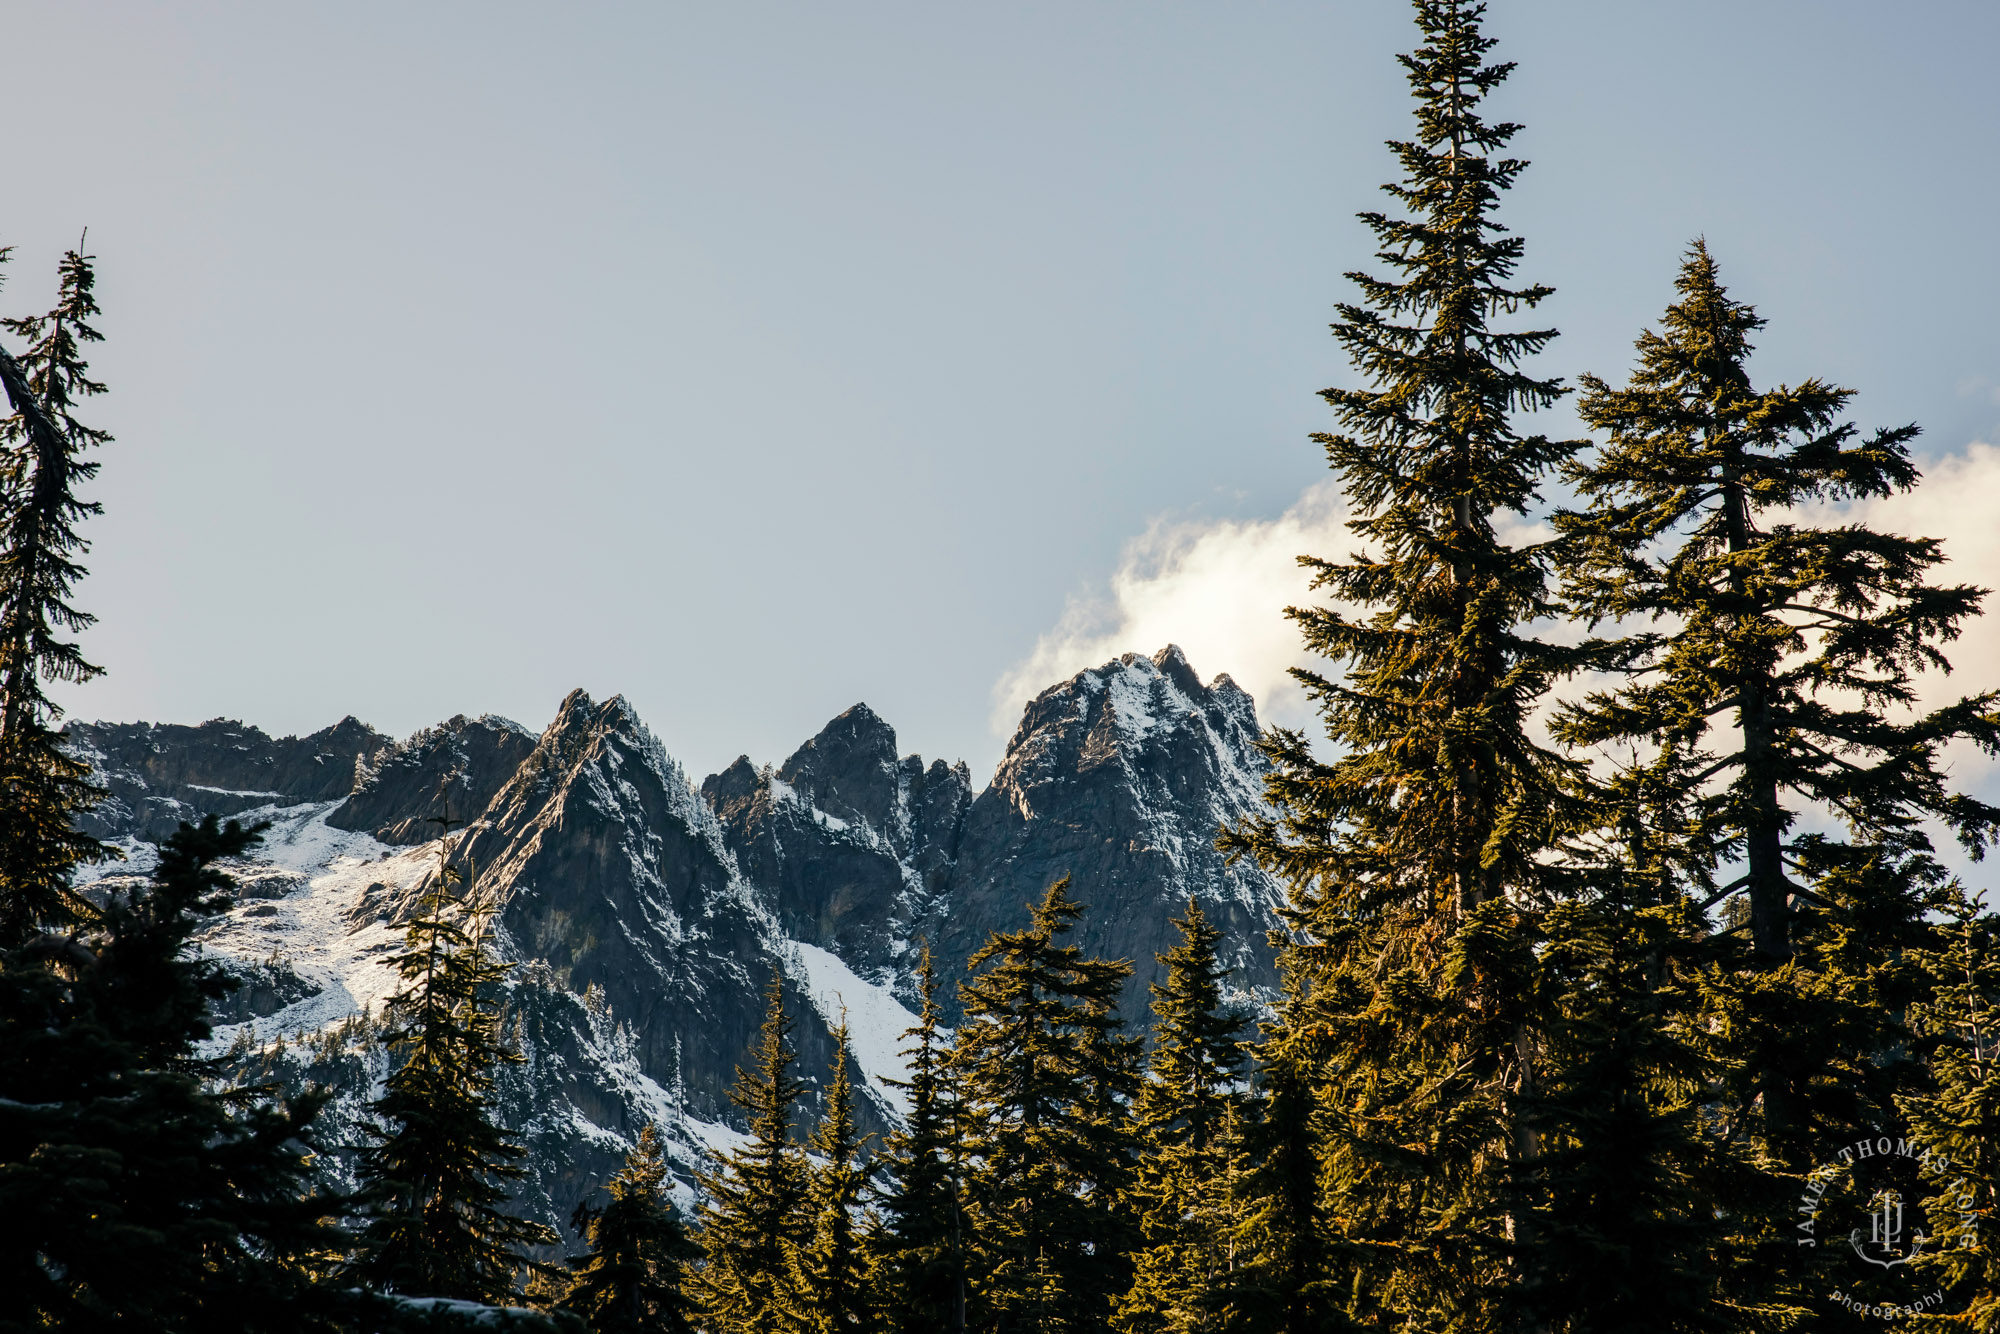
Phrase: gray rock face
(162,773)
(852,847)
(1120,778)
(612,873)
(444,773)
(649,915)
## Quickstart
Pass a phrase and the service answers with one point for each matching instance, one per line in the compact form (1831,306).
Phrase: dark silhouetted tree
(633,1279)
(42,787)
(831,1271)
(1183,1269)
(920,1255)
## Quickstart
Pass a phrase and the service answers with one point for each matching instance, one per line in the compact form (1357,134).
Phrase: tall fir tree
(1183,1279)
(1044,1076)
(633,1278)
(1807,637)
(436,1179)
(1287,1281)
(1418,853)
(831,1283)
(42,787)
(1628,1180)
(135,1191)
(1775,730)
(919,1249)
(755,1219)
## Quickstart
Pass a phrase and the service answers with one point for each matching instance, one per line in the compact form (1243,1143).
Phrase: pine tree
(1182,1273)
(633,1278)
(1809,636)
(1287,1281)
(1958,1120)
(133,1191)
(1045,1075)
(1626,1227)
(42,787)
(438,1174)
(830,1273)
(754,1220)
(919,1252)
(1417,855)
(1774,727)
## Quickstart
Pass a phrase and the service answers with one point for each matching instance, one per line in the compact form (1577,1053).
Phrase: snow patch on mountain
(312,929)
(875,1019)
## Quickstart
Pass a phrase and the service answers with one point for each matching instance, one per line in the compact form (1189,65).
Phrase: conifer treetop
(1440,794)
(43,460)
(1810,635)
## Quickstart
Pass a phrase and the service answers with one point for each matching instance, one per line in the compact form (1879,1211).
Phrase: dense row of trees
(1615,915)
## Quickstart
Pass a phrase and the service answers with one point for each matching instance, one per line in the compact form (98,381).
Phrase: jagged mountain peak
(1120,778)
(849,769)
(446,773)
(1150,716)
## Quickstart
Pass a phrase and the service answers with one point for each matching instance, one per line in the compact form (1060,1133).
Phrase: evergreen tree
(1626,1226)
(755,1220)
(633,1278)
(919,1252)
(1775,729)
(1958,1120)
(1287,1281)
(1044,1075)
(43,449)
(1182,1273)
(1808,636)
(1417,855)
(438,1174)
(133,1191)
(830,1272)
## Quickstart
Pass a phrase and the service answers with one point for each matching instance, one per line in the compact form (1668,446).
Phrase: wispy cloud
(1218,589)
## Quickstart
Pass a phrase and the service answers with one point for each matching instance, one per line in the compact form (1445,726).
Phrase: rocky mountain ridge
(649,912)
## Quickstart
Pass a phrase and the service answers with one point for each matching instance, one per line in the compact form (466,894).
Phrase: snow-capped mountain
(649,914)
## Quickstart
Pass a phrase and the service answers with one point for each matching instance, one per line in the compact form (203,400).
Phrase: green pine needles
(1044,1080)
(830,1280)
(755,1218)
(920,1245)
(1807,636)
(1187,1120)
(44,458)
(1523,1077)
(437,1177)
(1416,848)
(633,1278)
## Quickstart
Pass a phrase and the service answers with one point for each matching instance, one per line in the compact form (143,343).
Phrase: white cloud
(1218,589)
(1958,501)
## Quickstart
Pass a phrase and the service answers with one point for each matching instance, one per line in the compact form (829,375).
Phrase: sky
(753,360)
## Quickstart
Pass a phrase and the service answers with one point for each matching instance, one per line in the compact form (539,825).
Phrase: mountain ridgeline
(649,913)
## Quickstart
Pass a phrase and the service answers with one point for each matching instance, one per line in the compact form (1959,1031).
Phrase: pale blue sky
(753,359)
